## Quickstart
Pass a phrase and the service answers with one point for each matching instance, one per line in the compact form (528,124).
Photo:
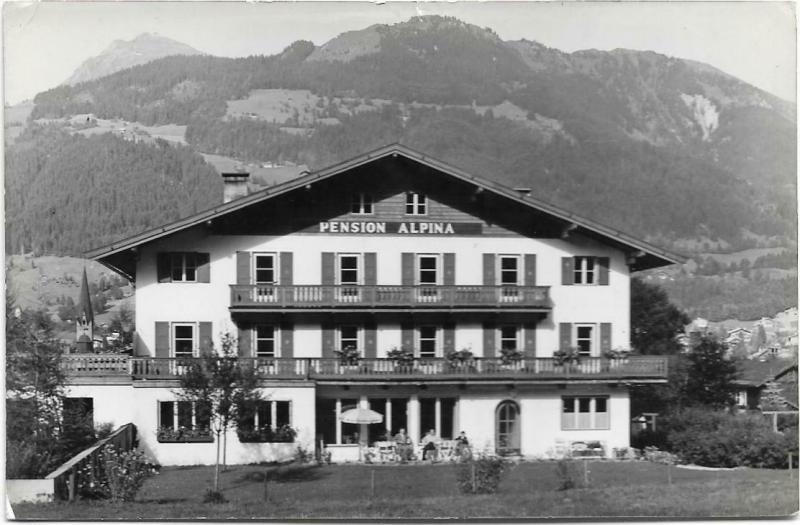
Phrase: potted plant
(616,353)
(566,356)
(348,356)
(510,356)
(402,357)
(460,358)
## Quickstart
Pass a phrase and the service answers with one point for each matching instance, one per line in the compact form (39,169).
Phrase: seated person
(404,449)
(429,443)
(462,444)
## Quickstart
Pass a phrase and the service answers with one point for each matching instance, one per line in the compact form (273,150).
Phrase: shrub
(480,475)
(720,439)
(25,460)
(568,474)
(115,475)
(649,438)
(303,455)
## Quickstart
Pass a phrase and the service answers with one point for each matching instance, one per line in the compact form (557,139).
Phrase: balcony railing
(433,369)
(96,364)
(343,296)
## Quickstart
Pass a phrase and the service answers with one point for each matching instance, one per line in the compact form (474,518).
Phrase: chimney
(523,191)
(234,185)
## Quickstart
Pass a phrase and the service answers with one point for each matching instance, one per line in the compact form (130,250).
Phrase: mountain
(122,54)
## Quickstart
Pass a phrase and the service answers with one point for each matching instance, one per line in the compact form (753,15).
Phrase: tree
(710,375)
(219,384)
(655,321)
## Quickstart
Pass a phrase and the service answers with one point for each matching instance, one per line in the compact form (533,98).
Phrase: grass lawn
(429,491)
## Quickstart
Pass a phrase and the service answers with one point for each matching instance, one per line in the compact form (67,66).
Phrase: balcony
(322,370)
(342,297)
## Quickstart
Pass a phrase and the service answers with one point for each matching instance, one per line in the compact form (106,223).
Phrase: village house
(389,251)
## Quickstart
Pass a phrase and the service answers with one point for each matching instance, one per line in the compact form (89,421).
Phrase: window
(362,204)
(183,340)
(264,268)
(427,270)
(265,340)
(182,421)
(349,269)
(509,270)
(584,413)
(183,267)
(269,414)
(584,338)
(428,341)
(584,272)
(348,337)
(416,203)
(509,338)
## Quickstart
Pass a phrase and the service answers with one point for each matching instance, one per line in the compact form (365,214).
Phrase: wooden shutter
(203,268)
(328,268)
(370,340)
(245,343)
(605,337)
(287,340)
(564,336)
(530,269)
(328,340)
(162,339)
(407,263)
(243,268)
(488,269)
(567,270)
(529,333)
(370,269)
(206,343)
(163,267)
(449,269)
(407,336)
(449,343)
(489,340)
(287,269)
(602,270)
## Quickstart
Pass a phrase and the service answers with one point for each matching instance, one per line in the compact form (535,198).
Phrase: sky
(44,42)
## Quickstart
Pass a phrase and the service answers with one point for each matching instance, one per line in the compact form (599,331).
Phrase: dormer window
(416,203)
(362,204)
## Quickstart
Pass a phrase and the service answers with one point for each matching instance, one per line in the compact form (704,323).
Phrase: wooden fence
(67,476)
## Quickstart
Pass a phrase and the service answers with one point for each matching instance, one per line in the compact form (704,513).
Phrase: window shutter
(328,340)
(370,269)
(488,269)
(449,269)
(605,337)
(449,338)
(530,269)
(242,267)
(287,340)
(370,341)
(602,264)
(489,340)
(287,269)
(162,339)
(328,268)
(567,270)
(206,343)
(529,330)
(407,269)
(564,336)
(407,336)
(203,268)
(163,267)
(245,343)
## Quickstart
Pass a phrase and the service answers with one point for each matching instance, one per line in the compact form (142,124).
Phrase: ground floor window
(507,428)
(184,421)
(584,413)
(266,421)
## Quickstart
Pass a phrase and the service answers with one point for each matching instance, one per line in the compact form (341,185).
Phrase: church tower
(84,324)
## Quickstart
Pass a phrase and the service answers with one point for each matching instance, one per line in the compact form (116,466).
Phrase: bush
(115,475)
(649,438)
(480,475)
(25,460)
(720,439)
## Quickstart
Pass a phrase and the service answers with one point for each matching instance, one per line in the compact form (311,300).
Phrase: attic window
(362,204)
(416,203)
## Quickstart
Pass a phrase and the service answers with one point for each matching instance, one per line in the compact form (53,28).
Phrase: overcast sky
(44,42)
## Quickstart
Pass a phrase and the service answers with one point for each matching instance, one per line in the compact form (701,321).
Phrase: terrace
(334,370)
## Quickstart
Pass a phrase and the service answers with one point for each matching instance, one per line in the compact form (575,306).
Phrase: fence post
(71,484)
(585,473)
(473,477)
(372,484)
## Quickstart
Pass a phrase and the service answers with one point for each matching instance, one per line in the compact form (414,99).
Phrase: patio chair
(387,452)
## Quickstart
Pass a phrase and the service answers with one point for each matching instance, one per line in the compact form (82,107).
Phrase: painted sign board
(400,228)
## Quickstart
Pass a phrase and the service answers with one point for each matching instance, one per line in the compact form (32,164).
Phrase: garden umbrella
(361,416)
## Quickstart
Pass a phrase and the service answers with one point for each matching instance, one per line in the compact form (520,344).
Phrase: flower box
(168,435)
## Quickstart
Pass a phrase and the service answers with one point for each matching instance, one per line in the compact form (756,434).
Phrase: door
(507,440)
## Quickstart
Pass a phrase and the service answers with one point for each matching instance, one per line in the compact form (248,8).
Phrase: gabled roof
(757,373)
(651,256)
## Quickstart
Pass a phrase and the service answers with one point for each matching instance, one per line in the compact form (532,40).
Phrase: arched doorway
(507,440)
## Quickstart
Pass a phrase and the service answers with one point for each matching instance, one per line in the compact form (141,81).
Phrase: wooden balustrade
(95,364)
(345,296)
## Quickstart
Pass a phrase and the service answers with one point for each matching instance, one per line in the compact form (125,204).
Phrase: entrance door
(507,440)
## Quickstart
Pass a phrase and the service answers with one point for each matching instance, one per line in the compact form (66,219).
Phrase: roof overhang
(120,256)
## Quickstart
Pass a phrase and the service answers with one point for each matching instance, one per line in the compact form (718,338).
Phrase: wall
(210,301)
(112,403)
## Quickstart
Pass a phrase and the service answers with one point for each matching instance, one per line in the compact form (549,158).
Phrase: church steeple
(84,324)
